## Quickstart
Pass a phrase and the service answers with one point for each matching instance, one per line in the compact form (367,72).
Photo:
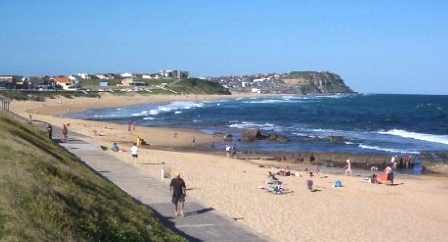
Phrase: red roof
(62,79)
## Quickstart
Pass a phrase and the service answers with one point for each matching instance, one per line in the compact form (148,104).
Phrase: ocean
(368,123)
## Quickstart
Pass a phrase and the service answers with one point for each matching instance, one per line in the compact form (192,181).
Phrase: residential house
(64,82)
(6,78)
(12,82)
(101,77)
(127,82)
(6,81)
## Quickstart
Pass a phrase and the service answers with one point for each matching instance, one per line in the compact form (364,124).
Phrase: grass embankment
(198,86)
(42,95)
(47,194)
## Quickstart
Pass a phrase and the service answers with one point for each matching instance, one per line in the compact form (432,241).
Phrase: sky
(377,46)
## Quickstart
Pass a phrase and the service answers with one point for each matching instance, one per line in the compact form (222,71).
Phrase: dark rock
(228,138)
(278,138)
(251,135)
(337,139)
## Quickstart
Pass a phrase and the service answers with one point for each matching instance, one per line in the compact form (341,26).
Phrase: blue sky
(376,46)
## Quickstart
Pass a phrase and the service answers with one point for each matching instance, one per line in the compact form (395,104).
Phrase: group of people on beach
(403,162)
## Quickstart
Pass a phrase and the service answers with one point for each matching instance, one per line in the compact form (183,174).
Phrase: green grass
(42,95)
(47,194)
(198,86)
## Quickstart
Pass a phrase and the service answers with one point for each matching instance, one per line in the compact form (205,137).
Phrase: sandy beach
(413,210)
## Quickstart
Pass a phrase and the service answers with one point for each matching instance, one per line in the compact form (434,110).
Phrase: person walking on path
(177,186)
(50,131)
(65,132)
(134,151)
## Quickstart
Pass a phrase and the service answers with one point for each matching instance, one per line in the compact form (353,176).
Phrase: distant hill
(198,86)
(49,195)
(313,82)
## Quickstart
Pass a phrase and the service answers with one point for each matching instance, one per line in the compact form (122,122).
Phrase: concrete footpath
(201,223)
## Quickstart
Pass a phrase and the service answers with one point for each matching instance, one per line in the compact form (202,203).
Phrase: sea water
(376,123)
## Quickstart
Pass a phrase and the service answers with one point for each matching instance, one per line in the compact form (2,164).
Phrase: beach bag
(338,184)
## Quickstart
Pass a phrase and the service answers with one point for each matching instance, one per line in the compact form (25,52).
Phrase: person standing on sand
(177,186)
(134,151)
(228,150)
(348,170)
(393,162)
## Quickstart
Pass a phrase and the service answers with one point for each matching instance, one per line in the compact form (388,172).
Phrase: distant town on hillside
(295,82)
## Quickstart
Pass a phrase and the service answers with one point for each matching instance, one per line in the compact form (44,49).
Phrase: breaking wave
(174,106)
(245,125)
(392,150)
(442,139)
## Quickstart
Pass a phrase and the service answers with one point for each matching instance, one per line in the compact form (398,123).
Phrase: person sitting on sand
(272,179)
(115,147)
(284,172)
(348,168)
(272,176)
(134,151)
(386,177)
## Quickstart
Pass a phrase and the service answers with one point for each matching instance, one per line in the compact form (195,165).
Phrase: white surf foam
(269,101)
(245,125)
(171,107)
(442,139)
(392,150)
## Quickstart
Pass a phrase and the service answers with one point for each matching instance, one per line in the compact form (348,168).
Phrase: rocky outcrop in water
(278,138)
(254,134)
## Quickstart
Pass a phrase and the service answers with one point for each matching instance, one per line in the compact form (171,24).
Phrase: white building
(178,74)
(146,76)
(126,75)
(255,90)
(260,80)
(71,77)
(83,75)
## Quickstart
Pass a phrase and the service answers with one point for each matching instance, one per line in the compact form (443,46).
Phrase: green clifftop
(313,82)
(198,86)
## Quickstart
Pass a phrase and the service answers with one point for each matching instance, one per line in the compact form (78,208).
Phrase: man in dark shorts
(177,185)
